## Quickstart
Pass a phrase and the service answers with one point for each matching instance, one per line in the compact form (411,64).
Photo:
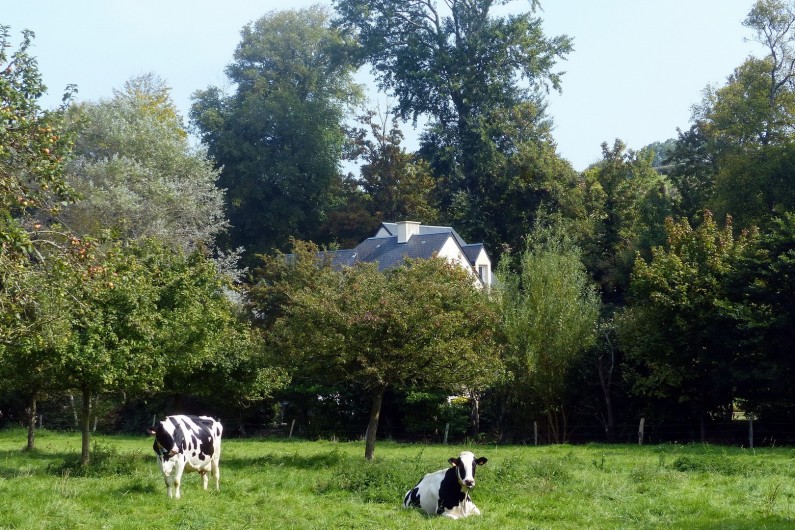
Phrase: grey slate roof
(387,252)
(427,229)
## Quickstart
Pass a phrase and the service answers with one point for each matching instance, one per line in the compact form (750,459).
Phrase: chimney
(406,229)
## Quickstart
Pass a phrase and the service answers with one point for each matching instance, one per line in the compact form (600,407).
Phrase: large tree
(474,76)
(279,137)
(137,174)
(422,325)
(628,201)
(736,157)
(679,333)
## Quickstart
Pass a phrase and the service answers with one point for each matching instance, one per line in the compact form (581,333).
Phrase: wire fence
(743,433)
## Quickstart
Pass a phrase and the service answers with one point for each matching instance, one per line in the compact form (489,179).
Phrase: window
(483,272)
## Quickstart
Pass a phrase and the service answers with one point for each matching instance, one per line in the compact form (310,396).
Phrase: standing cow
(446,492)
(187,442)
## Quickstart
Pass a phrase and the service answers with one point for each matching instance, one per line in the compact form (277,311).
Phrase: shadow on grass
(759,523)
(27,462)
(294,460)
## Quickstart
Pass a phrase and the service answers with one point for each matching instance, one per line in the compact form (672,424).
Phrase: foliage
(762,294)
(33,151)
(480,79)
(420,325)
(397,184)
(33,148)
(735,158)
(137,174)
(677,334)
(628,201)
(549,312)
(279,137)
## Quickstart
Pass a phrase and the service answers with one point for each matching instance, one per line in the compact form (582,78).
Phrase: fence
(744,433)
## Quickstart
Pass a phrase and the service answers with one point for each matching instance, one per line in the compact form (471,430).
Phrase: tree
(279,137)
(734,158)
(418,326)
(679,339)
(398,184)
(33,151)
(773,24)
(137,174)
(549,315)
(463,68)
(29,363)
(628,202)
(762,294)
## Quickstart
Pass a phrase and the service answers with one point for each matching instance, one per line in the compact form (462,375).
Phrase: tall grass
(268,484)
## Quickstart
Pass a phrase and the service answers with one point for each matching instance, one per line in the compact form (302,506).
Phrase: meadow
(292,484)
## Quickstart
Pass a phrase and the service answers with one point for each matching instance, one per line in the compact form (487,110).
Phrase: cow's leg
(169,482)
(451,514)
(216,473)
(179,468)
(203,473)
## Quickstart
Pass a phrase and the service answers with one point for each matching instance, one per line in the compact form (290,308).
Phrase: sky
(637,68)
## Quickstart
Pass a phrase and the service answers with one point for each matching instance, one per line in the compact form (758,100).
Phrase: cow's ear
(151,430)
(481,461)
(453,461)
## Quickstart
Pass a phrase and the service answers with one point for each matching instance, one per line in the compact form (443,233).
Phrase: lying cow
(446,492)
(187,442)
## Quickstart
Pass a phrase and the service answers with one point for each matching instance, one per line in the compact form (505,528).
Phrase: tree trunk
(605,380)
(85,423)
(372,426)
(74,409)
(30,411)
(474,416)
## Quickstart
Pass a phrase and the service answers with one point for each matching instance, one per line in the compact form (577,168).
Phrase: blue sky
(637,68)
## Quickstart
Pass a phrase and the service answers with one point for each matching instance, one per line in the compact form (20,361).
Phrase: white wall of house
(453,253)
(483,267)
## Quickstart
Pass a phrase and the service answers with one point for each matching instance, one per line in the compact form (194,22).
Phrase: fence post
(291,428)
(41,421)
(446,430)
(535,432)
(751,431)
(640,431)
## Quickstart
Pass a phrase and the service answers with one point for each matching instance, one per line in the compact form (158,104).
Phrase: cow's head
(164,445)
(465,466)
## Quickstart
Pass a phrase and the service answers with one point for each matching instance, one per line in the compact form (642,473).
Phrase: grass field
(267,484)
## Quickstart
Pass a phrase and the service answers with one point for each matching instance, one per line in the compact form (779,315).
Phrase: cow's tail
(411,498)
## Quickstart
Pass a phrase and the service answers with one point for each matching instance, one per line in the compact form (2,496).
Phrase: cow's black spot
(450,494)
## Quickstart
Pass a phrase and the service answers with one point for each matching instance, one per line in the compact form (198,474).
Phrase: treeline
(145,275)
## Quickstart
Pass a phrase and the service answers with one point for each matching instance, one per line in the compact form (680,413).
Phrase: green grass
(273,485)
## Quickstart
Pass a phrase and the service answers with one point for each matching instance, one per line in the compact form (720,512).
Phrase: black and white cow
(446,492)
(190,443)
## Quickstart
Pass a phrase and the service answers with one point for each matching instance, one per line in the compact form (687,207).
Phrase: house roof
(426,230)
(387,252)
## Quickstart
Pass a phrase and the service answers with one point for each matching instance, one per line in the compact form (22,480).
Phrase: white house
(409,239)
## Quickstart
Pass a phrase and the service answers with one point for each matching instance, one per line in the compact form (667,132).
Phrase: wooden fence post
(640,431)
(291,428)
(446,430)
(751,431)
(535,432)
